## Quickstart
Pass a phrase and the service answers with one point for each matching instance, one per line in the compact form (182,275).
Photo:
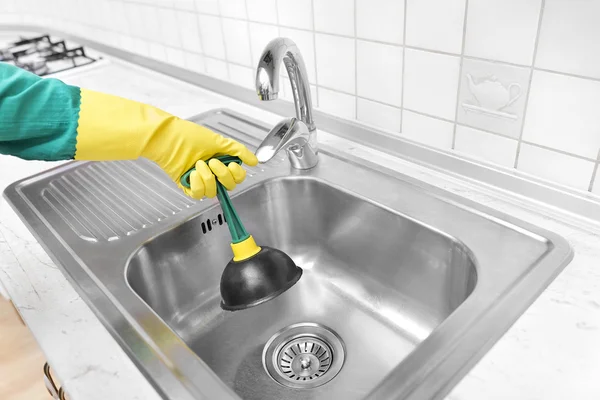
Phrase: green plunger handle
(236,228)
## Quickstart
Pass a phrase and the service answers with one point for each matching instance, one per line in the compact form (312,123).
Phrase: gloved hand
(114,128)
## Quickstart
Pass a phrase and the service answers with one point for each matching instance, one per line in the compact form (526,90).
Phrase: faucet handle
(292,135)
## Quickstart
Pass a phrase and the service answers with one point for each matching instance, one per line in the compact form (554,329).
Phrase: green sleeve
(38,117)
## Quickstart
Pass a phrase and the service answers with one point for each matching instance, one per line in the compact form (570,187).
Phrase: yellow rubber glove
(114,128)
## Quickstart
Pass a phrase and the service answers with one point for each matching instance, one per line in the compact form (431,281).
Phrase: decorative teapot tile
(492,96)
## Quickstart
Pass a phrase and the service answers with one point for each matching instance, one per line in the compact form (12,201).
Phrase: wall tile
(503,30)
(379,72)
(435,24)
(190,33)
(216,68)
(335,62)
(563,113)
(334,16)
(117,9)
(306,43)
(338,104)
(596,187)
(175,57)
(260,36)
(195,62)
(187,5)
(295,13)
(237,42)
(569,37)
(486,146)
(140,46)
(233,8)
(431,83)
(492,96)
(169,28)
(379,115)
(262,11)
(212,36)
(156,51)
(427,130)
(381,20)
(242,76)
(134,19)
(150,22)
(207,6)
(556,167)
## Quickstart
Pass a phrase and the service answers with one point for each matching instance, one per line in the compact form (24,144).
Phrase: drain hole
(220,218)
(203,228)
(304,356)
(209,225)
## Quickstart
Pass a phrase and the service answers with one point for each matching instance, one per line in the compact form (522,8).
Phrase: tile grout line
(314,36)
(467,57)
(594,173)
(355,64)
(200,37)
(402,70)
(248,32)
(531,70)
(223,39)
(460,71)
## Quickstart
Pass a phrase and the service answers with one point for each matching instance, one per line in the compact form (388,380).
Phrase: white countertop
(552,352)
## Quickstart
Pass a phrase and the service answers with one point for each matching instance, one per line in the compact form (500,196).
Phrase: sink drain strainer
(304,356)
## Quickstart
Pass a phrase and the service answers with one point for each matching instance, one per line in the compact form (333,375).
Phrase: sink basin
(405,286)
(382,281)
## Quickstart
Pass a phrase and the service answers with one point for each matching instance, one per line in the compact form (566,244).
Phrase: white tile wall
(557,167)
(212,36)
(379,80)
(402,66)
(435,24)
(427,130)
(569,38)
(503,30)
(334,16)
(237,43)
(596,187)
(336,62)
(295,13)
(262,11)
(379,115)
(381,20)
(188,25)
(336,103)
(216,68)
(431,83)
(243,76)
(207,6)
(563,113)
(233,8)
(486,146)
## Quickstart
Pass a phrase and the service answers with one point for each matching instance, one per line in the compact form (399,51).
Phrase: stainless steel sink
(404,288)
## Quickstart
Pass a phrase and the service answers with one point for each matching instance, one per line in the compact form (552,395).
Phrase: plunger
(255,274)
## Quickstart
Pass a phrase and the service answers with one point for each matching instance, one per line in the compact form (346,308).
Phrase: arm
(45,119)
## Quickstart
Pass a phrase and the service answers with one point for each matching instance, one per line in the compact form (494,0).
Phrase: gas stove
(43,54)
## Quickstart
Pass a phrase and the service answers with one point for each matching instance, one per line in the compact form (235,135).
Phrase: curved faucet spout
(284,51)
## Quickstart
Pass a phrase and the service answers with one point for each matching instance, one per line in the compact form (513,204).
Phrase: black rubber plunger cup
(254,275)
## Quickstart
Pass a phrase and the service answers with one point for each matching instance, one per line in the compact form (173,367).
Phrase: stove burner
(43,56)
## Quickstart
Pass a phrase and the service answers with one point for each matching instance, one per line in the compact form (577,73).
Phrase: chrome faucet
(297,135)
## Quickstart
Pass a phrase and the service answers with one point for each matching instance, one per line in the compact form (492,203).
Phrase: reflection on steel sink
(378,279)
(404,288)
